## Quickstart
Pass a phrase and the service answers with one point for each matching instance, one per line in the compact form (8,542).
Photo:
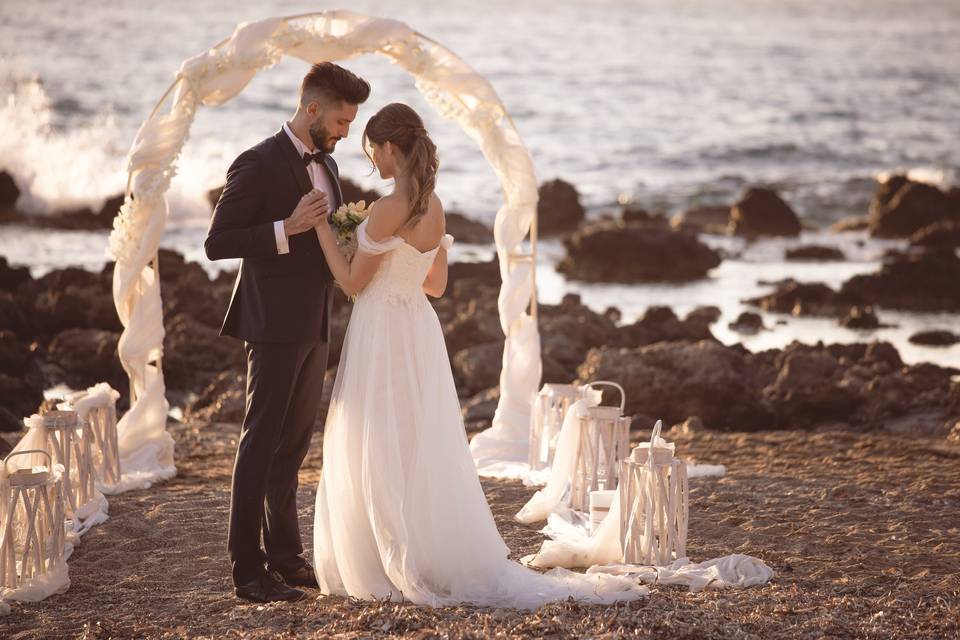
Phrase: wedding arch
(219,74)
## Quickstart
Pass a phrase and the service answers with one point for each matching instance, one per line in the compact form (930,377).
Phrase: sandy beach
(862,530)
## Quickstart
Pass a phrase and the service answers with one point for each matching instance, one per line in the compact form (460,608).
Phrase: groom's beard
(322,139)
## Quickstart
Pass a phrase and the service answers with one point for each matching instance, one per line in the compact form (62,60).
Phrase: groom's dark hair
(327,83)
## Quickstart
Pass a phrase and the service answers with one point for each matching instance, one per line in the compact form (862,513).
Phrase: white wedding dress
(400,512)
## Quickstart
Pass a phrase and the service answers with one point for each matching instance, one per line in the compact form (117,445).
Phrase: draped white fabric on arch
(219,74)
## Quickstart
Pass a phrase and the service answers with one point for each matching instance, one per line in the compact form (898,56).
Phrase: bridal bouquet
(345,221)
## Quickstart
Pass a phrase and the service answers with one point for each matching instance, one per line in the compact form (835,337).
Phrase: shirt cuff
(282,245)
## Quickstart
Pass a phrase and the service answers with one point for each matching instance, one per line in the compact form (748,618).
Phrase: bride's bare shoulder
(387,215)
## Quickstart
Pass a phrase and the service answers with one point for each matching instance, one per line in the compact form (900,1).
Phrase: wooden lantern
(654,506)
(604,442)
(31,522)
(549,409)
(70,442)
(102,419)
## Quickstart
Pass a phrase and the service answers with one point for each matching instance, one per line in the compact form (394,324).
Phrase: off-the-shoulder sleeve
(368,245)
(446,241)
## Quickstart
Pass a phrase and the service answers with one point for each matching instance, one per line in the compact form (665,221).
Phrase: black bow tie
(313,157)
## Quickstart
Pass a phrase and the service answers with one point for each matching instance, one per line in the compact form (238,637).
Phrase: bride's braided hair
(399,124)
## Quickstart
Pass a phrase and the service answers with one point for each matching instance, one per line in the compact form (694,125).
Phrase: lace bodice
(399,278)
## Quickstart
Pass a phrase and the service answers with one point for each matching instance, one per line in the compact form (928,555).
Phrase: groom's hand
(309,213)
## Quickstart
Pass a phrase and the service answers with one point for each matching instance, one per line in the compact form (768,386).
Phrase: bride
(400,512)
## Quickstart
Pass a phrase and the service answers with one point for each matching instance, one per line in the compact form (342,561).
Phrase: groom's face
(331,124)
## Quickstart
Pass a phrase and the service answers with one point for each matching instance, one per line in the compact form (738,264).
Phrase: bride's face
(384,160)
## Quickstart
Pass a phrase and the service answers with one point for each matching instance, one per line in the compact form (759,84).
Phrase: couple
(400,512)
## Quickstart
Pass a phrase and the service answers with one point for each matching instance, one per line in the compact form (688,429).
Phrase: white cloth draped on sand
(573,546)
(400,511)
(736,570)
(539,506)
(219,74)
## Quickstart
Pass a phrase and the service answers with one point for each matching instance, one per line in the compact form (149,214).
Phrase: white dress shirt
(318,178)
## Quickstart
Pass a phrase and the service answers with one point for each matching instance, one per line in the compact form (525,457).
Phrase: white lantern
(654,507)
(604,442)
(98,407)
(70,442)
(600,503)
(549,408)
(31,521)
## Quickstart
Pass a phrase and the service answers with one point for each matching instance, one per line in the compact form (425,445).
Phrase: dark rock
(660,324)
(942,235)
(477,272)
(559,210)
(674,380)
(804,391)
(815,252)
(194,353)
(761,212)
(9,423)
(707,315)
(223,400)
(352,192)
(748,323)
(110,209)
(74,218)
(708,219)
(853,223)
(478,324)
(915,282)
(567,332)
(21,381)
(9,191)
(86,357)
(619,252)
(860,317)
(478,367)
(805,299)
(466,230)
(13,317)
(901,207)
(478,411)
(633,214)
(12,277)
(935,338)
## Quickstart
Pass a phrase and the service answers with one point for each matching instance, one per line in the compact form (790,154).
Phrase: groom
(276,192)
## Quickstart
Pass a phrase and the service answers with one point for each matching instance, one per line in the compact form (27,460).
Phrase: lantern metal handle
(18,453)
(607,383)
(653,438)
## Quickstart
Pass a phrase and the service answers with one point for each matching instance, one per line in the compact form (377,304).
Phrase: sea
(660,104)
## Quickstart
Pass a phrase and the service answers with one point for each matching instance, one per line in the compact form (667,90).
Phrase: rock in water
(935,338)
(748,323)
(804,299)
(761,212)
(9,191)
(860,317)
(467,230)
(943,235)
(634,252)
(900,207)
(559,210)
(815,252)
(702,220)
(915,282)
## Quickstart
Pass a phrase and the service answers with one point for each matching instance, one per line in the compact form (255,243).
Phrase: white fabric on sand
(400,511)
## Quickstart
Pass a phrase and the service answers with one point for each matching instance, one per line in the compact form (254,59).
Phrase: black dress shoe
(266,588)
(302,576)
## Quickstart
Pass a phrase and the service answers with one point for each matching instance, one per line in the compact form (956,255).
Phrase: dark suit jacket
(276,298)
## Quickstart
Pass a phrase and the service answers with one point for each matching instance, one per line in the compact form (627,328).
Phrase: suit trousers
(284,388)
